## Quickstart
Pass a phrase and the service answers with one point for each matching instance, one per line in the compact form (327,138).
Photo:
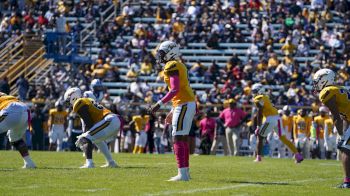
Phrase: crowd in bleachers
(227,46)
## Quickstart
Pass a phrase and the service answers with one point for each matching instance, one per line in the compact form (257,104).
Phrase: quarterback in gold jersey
(272,122)
(337,99)
(184,106)
(57,125)
(100,123)
(14,119)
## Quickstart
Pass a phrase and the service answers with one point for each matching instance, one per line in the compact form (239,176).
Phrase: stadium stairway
(23,56)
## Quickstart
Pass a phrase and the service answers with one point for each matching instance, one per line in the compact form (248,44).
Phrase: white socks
(105,151)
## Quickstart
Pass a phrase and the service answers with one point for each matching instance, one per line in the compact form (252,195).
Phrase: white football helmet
(97,89)
(72,95)
(167,51)
(258,89)
(322,79)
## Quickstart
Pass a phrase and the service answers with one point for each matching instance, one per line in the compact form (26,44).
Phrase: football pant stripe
(264,128)
(181,118)
(2,117)
(99,128)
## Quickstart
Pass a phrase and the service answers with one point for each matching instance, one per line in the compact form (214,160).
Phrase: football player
(184,106)
(330,138)
(140,121)
(319,123)
(301,130)
(96,93)
(96,90)
(287,121)
(337,99)
(14,119)
(272,122)
(100,123)
(57,124)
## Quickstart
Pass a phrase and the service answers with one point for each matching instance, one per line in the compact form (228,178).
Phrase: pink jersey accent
(174,89)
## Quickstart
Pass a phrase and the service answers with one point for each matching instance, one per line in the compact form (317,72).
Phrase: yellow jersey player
(301,130)
(184,106)
(319,123)
(100,123)
(57,126)
(272,122)
(330,138)
(287,122)
(140,122)
(337,99)
(14,119)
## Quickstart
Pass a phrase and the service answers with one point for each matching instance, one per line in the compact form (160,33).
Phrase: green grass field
(58,174)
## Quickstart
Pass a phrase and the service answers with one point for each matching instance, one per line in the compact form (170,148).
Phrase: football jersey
(329,125)
(342,99)
(140,122)
(6,100)
(185,93)
(320,123)
(97,112)
(267,107)
(287,122)
(58,118)
(302,125)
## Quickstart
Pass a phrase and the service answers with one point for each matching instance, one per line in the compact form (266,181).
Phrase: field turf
(58,174)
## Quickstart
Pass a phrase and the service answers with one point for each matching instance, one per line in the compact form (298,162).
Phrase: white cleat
(110,165)
(182,175)
(29,166)
(86,166)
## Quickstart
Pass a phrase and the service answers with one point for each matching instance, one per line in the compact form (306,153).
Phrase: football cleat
(181,176)
(86,166)
(344,185)
(258,159)
(110,165)
(29,166)
(298,158)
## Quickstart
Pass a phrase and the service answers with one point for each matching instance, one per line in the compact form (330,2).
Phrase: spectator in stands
(233,118)
(23,86)
(253,49)
(288,47)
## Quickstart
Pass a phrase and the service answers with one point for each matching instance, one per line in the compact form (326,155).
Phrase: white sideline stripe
(202,190)
(190,191)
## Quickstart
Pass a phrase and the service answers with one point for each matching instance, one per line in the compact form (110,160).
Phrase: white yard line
(190,191)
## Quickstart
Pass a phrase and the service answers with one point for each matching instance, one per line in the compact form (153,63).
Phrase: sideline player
(14,119)
(319,122)
(140,121)
(100,123)
(272,122)
(184,106)
(301,130)
(58,124)
(330,138)
(337,99)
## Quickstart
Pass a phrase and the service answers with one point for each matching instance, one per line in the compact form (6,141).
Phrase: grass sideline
(58,174)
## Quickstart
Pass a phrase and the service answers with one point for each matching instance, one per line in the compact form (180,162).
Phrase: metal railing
(108,14)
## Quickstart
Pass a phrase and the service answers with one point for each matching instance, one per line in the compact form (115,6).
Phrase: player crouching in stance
(273,122)
(184,106)
(100,123)
(337,99)
(14,119)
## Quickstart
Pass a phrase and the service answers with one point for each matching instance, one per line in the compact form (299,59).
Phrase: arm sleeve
(174,89)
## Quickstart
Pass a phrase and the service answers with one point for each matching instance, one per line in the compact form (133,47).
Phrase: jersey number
(98,106)
(344,91)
